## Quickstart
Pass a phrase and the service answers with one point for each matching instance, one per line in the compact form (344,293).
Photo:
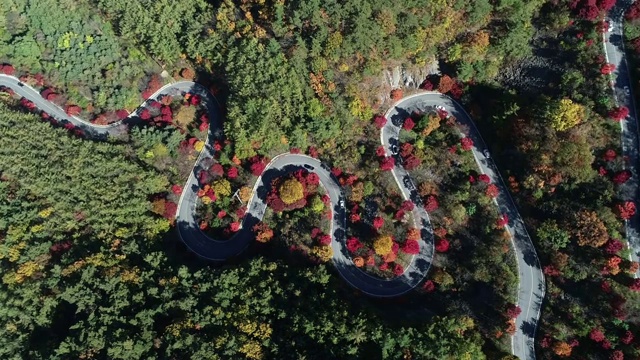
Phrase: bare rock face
(410,76)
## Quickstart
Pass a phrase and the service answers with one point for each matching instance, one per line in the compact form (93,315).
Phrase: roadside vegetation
(87,246)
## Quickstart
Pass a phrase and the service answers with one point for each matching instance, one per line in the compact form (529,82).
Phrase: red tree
(387,163)
(619,113)
(492,191)
(408,124)
(258,167)
(411,162)
(378,222)
(407,205)
(626,210)
(379,121)
(232,173)
(428,286)
(170,210)
(411,247)
(607,69)
(426,85)
(466,143)
(398,270)
(122,114)
(7,69)
(613,246)
(609,155)
(216,170)
(596,335)
(406,149)
(502,221)
(484,178)
(313,152)
(633,12)
(145,114)
(380,151)
(442,245)
(431,203)
(234,226)
(324,239)
(621,177)
(513,311)
(353,244)
(176,189)
(617,355)
(446,84)
(627,338)
(73,110)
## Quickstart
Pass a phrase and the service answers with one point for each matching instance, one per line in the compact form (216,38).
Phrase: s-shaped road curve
(531,287)
(216,250)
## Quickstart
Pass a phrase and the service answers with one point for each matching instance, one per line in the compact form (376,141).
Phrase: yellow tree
(382,245)
(245,193)
(291,191)
(222,187)
(565,114)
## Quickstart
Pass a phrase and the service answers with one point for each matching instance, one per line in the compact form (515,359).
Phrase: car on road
(307,166)
(341,203)
(394,149)
(408,183)
(440,107)
(20,83)
(610,27)
(486,153)
(627,92)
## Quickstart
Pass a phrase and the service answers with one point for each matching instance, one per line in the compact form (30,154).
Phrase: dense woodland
(91,263)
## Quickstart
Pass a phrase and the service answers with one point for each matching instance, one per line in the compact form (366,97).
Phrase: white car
(440,107)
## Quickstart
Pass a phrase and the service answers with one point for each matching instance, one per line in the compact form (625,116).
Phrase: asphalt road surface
(623,96)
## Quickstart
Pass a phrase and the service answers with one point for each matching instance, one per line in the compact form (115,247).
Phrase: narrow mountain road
(613,44)
(531,288)
(217,250)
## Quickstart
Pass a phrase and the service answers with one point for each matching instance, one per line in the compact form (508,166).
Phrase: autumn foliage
(590,230)
(379,121)
(291,191)
(607,69)
(382,245)
(619,113)
(626,210)
(387,163)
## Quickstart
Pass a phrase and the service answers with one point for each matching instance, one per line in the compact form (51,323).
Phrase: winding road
(531,280)
(613,44)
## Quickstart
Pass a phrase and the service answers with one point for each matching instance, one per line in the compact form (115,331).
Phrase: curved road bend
(613,44)
(216,250)
(531,287)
